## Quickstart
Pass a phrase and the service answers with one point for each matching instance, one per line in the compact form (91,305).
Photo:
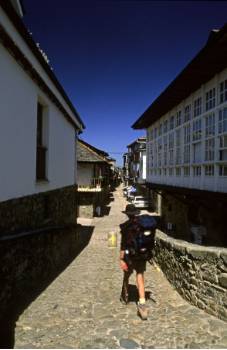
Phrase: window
(178,118)
(187,134)
(222,170)
(187,154)
(178,148)
(187,144)
(164,172)
(197,171)
(40,149)
(186,171)
(178,171)
(223,147)
(170,171)
(197,130)
(171,148)
(197,152)
(171,123)
(223,154)
(223,91)
(210,99)
(209,170)
(149,135)
(160,130)
(155,133)
(151,156)
(209,149)
(159,152)
(187,113)
(165,126)
(222,121)
(223,141)
(197,107)
(165,147)
(210,125)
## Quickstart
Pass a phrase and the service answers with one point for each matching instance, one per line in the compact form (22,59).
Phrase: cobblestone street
(81,307)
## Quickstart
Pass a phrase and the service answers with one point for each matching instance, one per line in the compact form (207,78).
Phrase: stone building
(187,176)
(38,129)
(187,147)
(95,176)
(136,160)
(38,198)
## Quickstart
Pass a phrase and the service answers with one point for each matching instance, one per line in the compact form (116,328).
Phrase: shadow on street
(22,299)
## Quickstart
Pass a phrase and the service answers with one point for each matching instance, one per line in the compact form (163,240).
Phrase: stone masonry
(81,307)
(45,209)
(199,273)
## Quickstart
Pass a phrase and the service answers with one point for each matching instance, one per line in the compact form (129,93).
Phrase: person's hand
(123,265)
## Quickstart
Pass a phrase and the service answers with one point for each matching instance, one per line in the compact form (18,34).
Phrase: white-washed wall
(18,118)
(84,174)
(11,30)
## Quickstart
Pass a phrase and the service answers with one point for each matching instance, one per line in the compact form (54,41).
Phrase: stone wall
(89,201)
(198,273)
(30,261)
(52,208)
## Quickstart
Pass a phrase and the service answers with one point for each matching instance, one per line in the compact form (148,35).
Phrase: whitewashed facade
(38,129)
(187,147)
(19,99)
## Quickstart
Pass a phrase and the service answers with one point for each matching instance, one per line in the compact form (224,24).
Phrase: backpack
(142,243)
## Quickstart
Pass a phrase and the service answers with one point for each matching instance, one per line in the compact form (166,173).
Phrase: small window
(209,149)
(171,123)
(170,171)
(210,99)
(186,171)
(197,130)
(40,148)
(197,107)
(187,154)
(178,118)
(197,171)
(178,171)
(223,91)
(222,170)
(197,152)
(187,113)
(209,170)
(165,126)
(222,121)
(210,125)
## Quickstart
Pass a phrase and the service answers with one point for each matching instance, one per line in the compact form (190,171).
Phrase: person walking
(129,230)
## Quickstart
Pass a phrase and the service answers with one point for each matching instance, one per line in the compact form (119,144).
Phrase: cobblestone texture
(81,308)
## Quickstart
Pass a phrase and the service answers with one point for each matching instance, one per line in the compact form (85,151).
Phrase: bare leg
(140,285)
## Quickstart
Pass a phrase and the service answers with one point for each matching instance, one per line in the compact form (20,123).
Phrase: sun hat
(131,210)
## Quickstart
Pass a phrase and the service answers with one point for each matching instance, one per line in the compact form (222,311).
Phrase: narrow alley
(81,308)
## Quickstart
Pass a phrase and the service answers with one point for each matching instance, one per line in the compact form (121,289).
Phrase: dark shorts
(138,265)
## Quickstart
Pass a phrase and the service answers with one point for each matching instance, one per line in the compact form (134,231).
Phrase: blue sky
(113,58)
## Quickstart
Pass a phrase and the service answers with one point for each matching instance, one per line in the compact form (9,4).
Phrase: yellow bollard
(112,239)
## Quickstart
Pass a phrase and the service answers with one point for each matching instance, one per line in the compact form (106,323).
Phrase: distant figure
(98,210)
